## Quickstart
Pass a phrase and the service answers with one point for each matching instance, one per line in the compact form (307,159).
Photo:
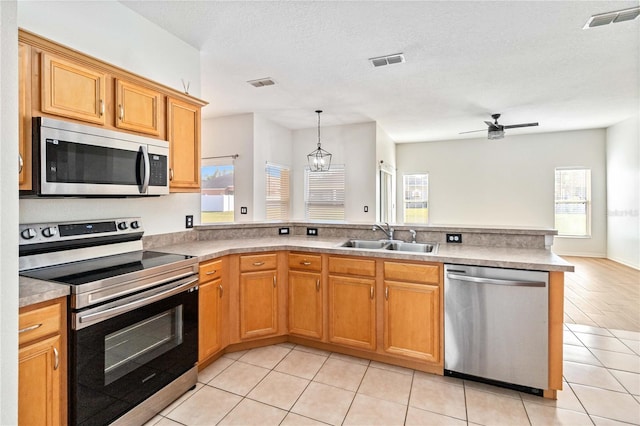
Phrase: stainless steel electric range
(133,320)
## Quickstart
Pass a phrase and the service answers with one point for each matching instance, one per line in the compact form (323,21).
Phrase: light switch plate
(243,210)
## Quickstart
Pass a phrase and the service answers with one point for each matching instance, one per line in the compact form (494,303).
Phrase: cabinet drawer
(41,322)
(258,262)
(210,270)
(427,274)
(305,262)
(352,266)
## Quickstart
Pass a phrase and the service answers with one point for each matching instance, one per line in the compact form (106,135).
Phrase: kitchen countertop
(34,291)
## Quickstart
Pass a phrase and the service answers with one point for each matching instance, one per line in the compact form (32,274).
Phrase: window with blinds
(277,192)
(324,194)
(572,202)
(416,197)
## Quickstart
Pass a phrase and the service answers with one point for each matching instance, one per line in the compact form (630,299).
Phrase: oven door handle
(183,285)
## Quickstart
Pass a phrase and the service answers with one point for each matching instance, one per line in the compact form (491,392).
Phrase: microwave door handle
(147,171)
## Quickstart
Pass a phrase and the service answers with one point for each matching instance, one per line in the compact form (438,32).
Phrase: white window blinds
(277,192)
(324,194)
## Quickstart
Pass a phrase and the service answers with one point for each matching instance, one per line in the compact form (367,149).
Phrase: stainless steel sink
(366,244)
(393,245)
(413,247)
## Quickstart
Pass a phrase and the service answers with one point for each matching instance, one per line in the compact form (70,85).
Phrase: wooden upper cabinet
(137,108)
(24,116)
(72,90)
(183,134)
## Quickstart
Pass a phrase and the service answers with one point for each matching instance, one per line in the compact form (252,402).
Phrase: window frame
(282,205)
(405,201)
(217,162)
(587,201)
(337,204)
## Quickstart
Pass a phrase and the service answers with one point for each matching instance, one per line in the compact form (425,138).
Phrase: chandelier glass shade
(319,159)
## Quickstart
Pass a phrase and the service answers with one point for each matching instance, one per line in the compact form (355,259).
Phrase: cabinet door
(412,320)
(258,304)
(137,108)
(352,313)
(210,314)
(305,304)
(183,134)
(24,116)
(39,392)
(73,91)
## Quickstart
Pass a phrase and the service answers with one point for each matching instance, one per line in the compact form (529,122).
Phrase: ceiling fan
(496,131)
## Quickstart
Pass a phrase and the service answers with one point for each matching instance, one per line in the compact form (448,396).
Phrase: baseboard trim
(622,262)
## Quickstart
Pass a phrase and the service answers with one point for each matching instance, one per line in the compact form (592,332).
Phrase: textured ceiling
(529,60)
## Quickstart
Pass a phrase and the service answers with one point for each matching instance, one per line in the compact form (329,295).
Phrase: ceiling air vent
(261,82)
(380,61)
(612,17)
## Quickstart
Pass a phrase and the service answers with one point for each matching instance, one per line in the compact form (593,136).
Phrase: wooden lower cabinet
(352,311)
(210,313)
(412,320)
(305,304)
(42,372)
(258,304)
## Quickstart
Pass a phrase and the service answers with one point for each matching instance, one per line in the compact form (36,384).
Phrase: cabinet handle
(121,116)
(371,293)
(31,327)
(386,293)
(211,272)
(258,263)
(305,263)
(20,163)
(221,290)
(101,107)
(56,358)
(318,285)
(274,281)
(170,173)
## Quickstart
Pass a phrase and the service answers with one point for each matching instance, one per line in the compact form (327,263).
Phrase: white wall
(354,146)
(508,182)
(229,136)
(114,33)
(623,192)
(271,143)
(8,213)
(385,158)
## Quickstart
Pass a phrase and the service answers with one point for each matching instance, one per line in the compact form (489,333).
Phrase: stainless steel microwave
(71,159)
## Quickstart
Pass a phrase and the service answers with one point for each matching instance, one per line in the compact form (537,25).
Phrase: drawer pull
(258,263)
(221,290)
(211,272)
(274,281)
(305,263)
(318,285)
(30,328)
(371,293)
(56,359)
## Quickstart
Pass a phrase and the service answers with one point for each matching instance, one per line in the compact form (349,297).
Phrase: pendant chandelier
(319,159)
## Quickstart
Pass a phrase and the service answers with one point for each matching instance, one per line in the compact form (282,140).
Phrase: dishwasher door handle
(495,281)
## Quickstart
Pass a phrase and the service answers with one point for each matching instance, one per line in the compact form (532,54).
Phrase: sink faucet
(413,235)
(388,232)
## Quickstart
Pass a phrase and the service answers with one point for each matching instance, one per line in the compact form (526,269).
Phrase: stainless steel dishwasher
(496,326)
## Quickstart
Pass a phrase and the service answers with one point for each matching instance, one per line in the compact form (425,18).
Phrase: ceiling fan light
(496,134)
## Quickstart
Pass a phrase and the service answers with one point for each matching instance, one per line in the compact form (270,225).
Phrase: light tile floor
(287,384)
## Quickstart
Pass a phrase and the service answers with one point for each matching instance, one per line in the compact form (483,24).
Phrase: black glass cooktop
(87,271)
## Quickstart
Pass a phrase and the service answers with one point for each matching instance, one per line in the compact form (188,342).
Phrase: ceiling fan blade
(473,131)
(513,126)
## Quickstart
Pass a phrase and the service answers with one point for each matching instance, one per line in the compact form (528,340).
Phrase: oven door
(130,351)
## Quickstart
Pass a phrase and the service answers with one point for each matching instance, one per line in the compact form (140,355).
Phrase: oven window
(137,344)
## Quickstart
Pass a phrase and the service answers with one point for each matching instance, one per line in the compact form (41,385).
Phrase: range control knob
(122,226)
(28,233)
(49,232)
(135,224)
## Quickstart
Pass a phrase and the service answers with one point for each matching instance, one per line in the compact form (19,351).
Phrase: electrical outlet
(243,210)
(454,238)
(366,209)
(188,222)
(283,231)
(312,231)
